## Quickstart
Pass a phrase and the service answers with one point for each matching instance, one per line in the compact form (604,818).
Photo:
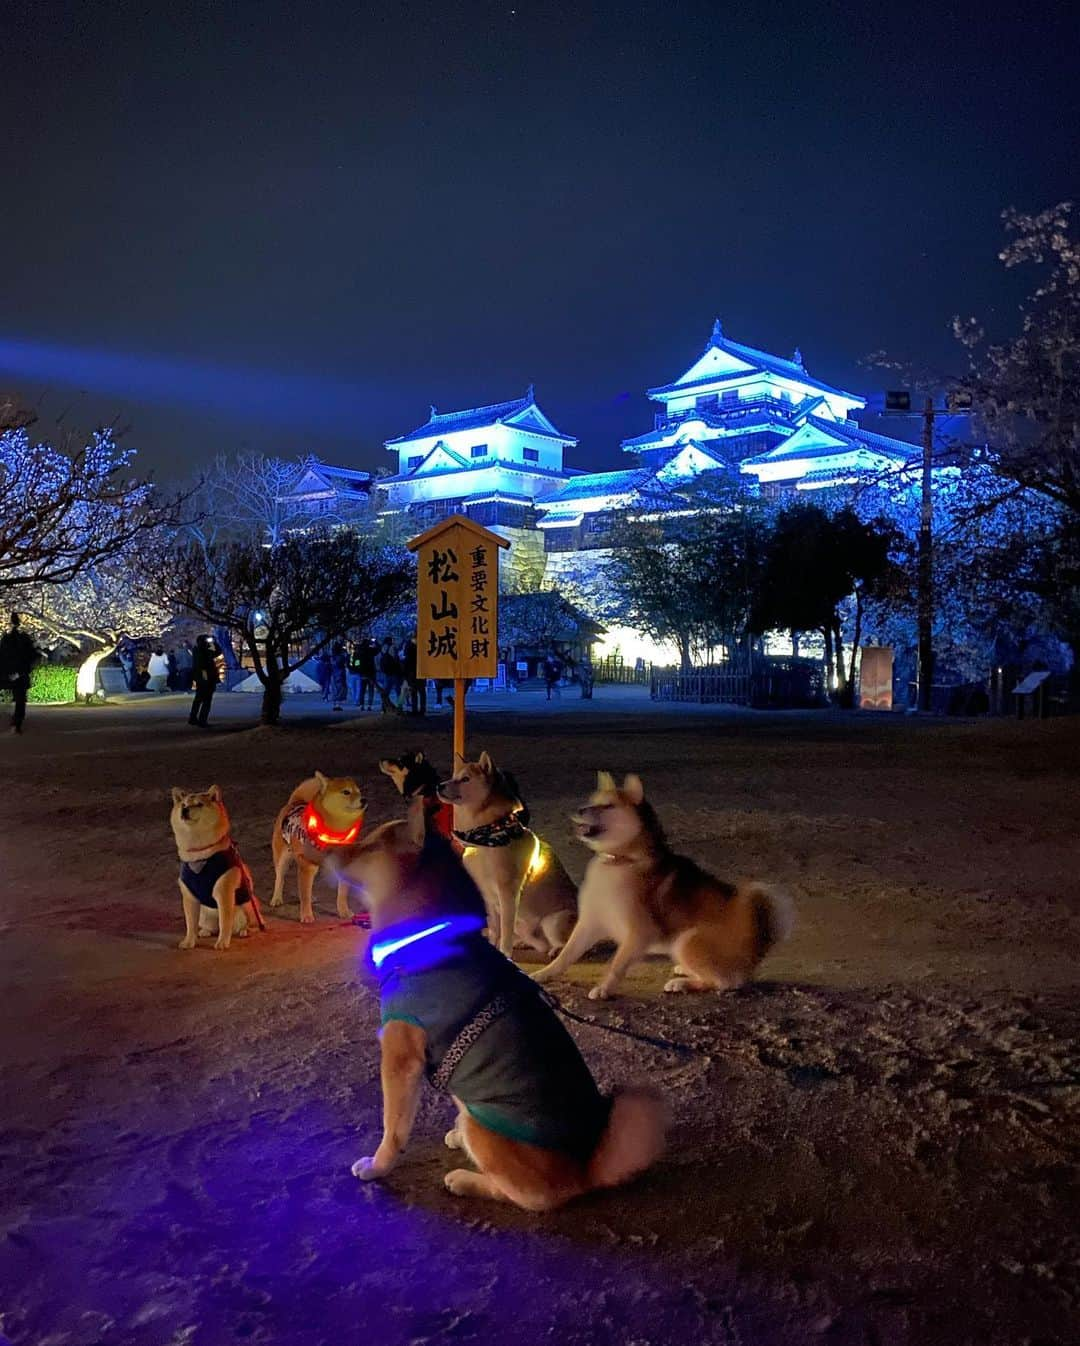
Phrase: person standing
(417,685)
(324,671)
(553,670)
(158,670)
(184,661)
(339,665)
(205,671)
(355,676)
(389,677)
(18,655)
(368,651)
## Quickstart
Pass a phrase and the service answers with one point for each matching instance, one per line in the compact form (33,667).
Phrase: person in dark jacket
(18,655)
(417,685)
(368,651)
(205,671)
(339,666)
(324,671)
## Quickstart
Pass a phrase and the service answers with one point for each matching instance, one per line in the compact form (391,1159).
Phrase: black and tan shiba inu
(413,775)
(530,897)
(216,890)
(639,893)
(530,1115)
(323,816)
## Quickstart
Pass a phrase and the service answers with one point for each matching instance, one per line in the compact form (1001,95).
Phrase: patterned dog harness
(200,876)
(495,1044)
(293,830)
(499,833)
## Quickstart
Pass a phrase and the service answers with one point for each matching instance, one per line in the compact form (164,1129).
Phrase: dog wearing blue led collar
(453,1008)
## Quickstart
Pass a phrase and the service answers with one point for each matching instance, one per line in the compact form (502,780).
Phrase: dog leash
(663,1044)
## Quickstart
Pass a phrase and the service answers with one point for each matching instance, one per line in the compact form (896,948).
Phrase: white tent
(295,682)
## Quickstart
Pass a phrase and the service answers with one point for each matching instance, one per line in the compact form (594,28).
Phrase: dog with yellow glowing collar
(324,816)
(453,1008)
(530,898)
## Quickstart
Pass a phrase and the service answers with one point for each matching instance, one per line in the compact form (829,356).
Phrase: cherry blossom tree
(288,601)
(62,511)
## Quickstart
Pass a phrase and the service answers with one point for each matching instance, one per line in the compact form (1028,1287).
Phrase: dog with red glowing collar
(530,1115)
(324,816)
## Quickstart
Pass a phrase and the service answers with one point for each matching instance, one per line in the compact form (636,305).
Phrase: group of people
(354,674)
(172,671)
(553,669)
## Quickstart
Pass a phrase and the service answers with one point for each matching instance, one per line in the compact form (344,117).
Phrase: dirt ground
(876,1143)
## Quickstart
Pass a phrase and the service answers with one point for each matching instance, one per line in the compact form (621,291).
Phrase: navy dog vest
(199,876)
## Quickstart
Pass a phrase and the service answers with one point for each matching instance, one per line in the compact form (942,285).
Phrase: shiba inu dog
(528,893)
(323,815)
(412,775)
(639,893)
(216,890)
(530,1116)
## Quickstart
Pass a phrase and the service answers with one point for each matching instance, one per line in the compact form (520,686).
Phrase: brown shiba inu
(639,893)
(528,893)
(215,884)
(323,816)
(530,1116)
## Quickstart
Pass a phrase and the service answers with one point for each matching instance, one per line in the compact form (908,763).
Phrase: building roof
(479,465)
(480,418)
(590,485)
(847,432)
(762,360)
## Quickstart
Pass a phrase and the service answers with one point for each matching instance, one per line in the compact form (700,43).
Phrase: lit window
(479,450)
(531,455)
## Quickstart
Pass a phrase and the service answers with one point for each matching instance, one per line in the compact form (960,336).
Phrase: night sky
(292,227)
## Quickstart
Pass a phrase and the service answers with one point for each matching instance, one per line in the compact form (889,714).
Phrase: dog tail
(774,913)
(633,1139)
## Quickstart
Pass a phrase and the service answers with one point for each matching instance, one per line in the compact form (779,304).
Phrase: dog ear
(322,782)
(177,794)
(385,765)
(487,766)
(418,757)
(605,782)
(417,821)
(633,789)
(214,793)
(458,758)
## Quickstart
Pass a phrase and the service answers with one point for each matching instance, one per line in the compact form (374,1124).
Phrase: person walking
(417,685)
(205,671)
(339,664)
(585,675)
(158,670)
(389,677)
(18,655)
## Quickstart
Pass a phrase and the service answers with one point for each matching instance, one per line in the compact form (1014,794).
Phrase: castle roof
(757,360)
(521,412)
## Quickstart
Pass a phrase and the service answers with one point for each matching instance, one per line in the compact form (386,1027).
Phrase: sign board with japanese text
(457,599)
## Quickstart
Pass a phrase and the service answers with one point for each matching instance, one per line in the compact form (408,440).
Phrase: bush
(52,682)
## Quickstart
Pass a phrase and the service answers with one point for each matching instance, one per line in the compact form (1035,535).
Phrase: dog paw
(453,1141)
(307,920)
(677,984)
(366,1169)
(601,992)
(276,901)
(459,1181)
(222,943)
(187,943)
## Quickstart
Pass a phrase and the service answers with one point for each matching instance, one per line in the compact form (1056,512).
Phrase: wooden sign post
(457,602)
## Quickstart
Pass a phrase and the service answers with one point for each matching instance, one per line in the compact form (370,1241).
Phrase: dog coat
(494,1042)
(199,876)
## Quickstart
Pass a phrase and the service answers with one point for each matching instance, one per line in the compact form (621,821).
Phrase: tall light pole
(957,403)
